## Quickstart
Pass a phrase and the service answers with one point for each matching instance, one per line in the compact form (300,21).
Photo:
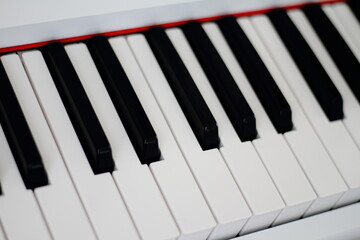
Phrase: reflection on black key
(345,60)
(192,103)
(231,98)
(19,137)
(79,109)
(355,7)
(123,96)
(259,77)
(315,75)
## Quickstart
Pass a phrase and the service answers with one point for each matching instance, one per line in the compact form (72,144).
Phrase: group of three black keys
(201,120)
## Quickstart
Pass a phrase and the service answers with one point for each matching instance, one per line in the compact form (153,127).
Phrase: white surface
(24,22)
(333,135)
(276,155)
(184,198)
(341,223)
(101,199)
(139,190)
(20,214)
(311,154)
(245,165)
(210,171)
(60,204)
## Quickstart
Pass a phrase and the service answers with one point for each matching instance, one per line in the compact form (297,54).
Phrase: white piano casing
(25,22)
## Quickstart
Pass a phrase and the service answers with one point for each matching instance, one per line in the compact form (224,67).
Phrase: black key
(258,75)
(230,96)
(19,137)
(355,7)
(340,52)
(123,96)
(79,109)
(192,103)
(315,75)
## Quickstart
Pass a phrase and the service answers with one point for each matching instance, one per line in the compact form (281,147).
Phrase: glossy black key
(79,109)
(192,103)
(225,87)
(19,137)
(258,75)
(315,75)
(127,104)
(355,7)
(340,52)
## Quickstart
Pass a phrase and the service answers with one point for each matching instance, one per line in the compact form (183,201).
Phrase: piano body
(191,119)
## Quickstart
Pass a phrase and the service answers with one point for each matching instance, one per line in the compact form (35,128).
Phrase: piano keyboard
(239,127)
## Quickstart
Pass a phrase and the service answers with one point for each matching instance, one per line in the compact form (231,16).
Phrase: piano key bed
(239,127)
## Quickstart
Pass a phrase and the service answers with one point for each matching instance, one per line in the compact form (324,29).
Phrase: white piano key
(59,201)
(137,186)
(350,104)
(275,153)
(341,223)
(214,179)
(100,197)
(2,233)
(172,174)
(305,144)
(346,23)
(333,135)
(20,215)
(246,167)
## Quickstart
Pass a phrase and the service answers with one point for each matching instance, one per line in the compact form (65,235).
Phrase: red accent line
(140,29)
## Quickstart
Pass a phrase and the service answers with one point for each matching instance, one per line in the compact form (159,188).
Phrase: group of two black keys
(201,120)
